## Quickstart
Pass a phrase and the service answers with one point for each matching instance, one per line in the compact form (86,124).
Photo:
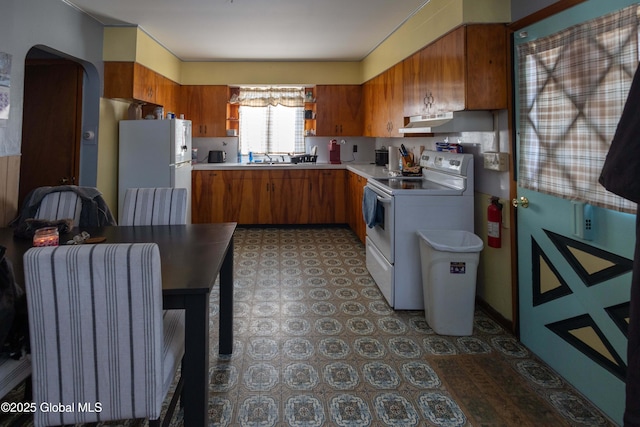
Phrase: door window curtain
(271,120)
(573,87)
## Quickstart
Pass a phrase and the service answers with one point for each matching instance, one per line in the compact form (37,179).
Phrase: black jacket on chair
(95,212)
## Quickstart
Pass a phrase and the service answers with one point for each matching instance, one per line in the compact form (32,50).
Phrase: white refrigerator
(154,153)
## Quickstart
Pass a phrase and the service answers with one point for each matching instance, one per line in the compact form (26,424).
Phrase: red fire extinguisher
(494,229)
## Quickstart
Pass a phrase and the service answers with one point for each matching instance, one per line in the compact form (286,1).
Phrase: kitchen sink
(271,164)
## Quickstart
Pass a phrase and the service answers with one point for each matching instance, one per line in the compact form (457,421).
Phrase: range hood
(453,121)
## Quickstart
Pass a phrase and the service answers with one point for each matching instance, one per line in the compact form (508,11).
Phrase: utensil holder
(407,161)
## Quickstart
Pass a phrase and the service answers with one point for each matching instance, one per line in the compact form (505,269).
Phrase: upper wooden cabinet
(134,82)
(206,107)
(464,70)
(339,110)
(130,81)
(368,96)
(168,95)
(383,103)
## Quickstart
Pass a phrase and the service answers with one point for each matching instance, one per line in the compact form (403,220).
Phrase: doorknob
(64,180)
(523,202)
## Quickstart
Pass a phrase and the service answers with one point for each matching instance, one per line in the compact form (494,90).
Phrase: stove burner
(409,184)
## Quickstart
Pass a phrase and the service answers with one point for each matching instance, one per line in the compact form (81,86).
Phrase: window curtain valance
(573,86)
(262,97)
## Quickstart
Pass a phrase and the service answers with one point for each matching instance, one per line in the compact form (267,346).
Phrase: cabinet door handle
(429,101)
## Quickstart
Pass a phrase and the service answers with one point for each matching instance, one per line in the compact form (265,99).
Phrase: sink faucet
(269,157)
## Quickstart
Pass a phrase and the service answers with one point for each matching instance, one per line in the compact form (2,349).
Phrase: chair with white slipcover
(154,206)
(85,206)
(60,205)
(98,332)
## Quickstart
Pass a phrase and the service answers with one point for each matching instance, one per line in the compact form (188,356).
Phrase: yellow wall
(120,43)
(486,11)
(266,73)
(435,19)
(111,112)
(134,45)
(494,268)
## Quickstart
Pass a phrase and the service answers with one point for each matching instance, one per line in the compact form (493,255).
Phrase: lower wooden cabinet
(269,196)
(327,199)
(355,185)
(288,195)
(207,189)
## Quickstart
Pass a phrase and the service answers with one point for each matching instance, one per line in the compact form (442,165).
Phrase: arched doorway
(59,123)
(51,122)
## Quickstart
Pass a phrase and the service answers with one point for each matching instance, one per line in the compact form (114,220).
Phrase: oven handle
(381,199)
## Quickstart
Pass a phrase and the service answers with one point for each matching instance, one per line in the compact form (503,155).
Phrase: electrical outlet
(355,148)
(496,161)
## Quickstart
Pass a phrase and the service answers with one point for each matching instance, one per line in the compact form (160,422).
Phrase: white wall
(56,27)
(365,148)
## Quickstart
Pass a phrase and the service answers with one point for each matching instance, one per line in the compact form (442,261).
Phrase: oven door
(382,235)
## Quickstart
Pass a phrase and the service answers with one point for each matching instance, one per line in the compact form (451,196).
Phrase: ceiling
(259,30)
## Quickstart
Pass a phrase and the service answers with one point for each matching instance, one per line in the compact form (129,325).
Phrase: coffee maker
(334,152)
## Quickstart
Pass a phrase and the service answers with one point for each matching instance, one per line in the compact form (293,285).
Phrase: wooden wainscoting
(9,183)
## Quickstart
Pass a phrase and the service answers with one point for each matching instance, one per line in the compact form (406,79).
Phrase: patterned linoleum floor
(316,345)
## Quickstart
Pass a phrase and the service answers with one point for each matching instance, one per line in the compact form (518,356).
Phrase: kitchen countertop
(367,170)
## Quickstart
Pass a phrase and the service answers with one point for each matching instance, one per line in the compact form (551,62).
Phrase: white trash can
(449,266)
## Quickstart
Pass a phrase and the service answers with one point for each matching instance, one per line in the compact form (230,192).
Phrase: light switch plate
(496,161)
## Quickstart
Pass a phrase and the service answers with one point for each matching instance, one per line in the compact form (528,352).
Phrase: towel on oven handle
(371,209)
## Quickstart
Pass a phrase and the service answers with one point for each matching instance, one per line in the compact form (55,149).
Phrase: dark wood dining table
(192,257)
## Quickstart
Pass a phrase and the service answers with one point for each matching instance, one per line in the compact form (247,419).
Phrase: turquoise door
(575,244)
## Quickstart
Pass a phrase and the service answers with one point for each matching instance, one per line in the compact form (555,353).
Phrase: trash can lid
(452,240)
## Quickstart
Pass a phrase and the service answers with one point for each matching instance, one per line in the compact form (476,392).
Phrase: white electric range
(443,198)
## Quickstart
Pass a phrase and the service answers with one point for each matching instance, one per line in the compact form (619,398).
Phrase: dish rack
(304,158)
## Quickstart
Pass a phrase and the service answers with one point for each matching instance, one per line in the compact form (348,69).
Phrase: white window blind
(271,120)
